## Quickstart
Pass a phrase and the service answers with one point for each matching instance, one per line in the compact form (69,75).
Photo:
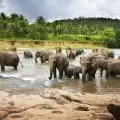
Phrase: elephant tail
(21,63)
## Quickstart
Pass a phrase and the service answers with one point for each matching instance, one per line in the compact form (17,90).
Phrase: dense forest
(100,30)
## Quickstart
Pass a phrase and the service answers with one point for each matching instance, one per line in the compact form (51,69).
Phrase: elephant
(58,61)
(109,53)
(58,49)
(79,51)
(44,55)
(9,59)
(71,53)
(14,49)
(87,68)
(28,54)
(95,50)
(73,70)
(113,68)
(99,62)
(68,48)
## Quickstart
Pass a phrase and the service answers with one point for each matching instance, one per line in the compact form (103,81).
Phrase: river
(32,77)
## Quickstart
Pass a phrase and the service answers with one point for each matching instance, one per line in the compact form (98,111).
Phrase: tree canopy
(101,30)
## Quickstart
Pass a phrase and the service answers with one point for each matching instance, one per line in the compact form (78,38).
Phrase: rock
(11,103)
(56,104)
(3,114)
(114,109)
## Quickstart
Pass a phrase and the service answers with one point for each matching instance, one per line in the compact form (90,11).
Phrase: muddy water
(33,77)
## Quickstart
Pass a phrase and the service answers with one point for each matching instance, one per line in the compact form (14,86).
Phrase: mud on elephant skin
(28,54)
(58,61)
(73,70)
(43,55)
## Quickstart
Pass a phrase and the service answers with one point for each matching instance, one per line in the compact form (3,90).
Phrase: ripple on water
(34,76)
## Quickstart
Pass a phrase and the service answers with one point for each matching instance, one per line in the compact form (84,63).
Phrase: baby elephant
(73,70)
(28,54)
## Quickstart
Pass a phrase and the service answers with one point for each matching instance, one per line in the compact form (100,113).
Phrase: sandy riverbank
(6,44)
(55,104)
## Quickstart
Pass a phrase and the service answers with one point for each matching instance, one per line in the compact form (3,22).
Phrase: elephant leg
(50,75)
(42,60)
(69,76)
(90,76)
(2,68)
(54,73)
(94,72)
(113,75)
(76,76)
(65,72)
(107,74)
(60,73)
(84,78)
(15,67)
(101,72)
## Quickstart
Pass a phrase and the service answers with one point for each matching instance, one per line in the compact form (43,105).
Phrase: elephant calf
(58,61)
(43,55)
(28,54)
(113,68)
(73,70)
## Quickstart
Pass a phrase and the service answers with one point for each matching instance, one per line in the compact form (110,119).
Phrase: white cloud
(57,9)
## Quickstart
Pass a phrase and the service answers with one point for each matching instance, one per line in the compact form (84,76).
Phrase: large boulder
(114,109)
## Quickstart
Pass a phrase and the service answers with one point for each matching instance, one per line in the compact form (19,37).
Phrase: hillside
(98,30)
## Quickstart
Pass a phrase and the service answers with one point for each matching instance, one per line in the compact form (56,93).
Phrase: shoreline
(46,44)
(52,104)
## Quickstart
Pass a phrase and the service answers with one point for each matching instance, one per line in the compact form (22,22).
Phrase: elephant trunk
(50,75)
(36,59)
(84,71)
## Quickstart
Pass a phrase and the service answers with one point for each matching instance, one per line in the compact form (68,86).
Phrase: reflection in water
(33,76)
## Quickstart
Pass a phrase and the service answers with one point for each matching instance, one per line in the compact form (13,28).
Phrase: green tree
(109,37)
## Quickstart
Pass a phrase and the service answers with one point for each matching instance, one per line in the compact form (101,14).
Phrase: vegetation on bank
(96,30)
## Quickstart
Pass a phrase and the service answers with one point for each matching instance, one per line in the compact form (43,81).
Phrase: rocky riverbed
(56,104)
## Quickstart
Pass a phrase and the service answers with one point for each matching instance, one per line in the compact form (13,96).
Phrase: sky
(61,9)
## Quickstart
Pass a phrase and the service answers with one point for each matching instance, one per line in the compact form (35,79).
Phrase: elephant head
(56,61)
(58,49)
(38,54)
(14,49)
(87,66)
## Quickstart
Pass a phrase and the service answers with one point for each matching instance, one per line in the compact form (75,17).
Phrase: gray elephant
(113,68)
(28,54)
(14,49)
(71,53)
(109,53)
(73,70)
(88,70)
(9,59)
(58,61)
(43,55)
(79,51)
(58,49)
